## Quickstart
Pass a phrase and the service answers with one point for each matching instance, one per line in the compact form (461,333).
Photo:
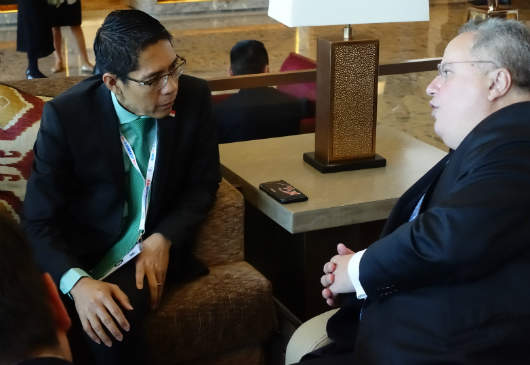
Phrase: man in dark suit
(33,319)
(126,168)
(448,281)
(255,113)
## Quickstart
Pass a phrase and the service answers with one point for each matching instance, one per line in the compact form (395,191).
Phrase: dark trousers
(133,349)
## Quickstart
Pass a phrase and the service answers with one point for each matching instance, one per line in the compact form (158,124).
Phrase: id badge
(135,251)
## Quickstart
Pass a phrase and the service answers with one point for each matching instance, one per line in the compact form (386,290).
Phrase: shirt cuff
(353,273)
(70,278)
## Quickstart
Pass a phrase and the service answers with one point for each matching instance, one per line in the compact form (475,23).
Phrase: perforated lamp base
(346,108)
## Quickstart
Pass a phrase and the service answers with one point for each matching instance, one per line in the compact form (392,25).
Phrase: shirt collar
(124,116)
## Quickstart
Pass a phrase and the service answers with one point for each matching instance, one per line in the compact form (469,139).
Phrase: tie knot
(139,129)
(140,124)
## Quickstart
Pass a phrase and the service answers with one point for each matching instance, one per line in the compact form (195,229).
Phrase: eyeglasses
(159,82)
(443,72)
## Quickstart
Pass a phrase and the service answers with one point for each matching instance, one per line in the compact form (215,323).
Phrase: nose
(171,85)
(434,86)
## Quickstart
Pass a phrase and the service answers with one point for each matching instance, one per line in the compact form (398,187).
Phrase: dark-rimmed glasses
(159,82)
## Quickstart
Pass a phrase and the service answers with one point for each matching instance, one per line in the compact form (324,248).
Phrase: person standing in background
(34,34)
(68,13)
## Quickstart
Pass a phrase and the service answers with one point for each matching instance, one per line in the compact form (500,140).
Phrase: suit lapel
(107,121)
(166,138)
(406,204)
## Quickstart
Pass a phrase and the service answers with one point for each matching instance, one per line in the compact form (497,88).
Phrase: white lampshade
(300,13)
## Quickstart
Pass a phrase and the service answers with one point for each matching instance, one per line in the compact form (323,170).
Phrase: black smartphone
(282,191)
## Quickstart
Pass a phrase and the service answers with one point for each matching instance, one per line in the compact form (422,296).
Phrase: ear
(500,83)
(60,315)
(266,69)
(230,72)
(110,80)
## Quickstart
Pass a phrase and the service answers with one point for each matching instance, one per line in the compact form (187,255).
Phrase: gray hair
(507,42)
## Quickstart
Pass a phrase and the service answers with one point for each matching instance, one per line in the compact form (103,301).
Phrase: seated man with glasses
(126,168)
(447,282)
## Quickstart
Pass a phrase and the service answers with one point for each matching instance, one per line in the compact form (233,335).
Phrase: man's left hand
(152,262)
(336,279)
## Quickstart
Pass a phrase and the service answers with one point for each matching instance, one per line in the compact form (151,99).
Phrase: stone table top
(335,199)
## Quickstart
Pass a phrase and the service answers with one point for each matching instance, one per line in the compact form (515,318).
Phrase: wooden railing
(293,77)
(266,79)
(422,65)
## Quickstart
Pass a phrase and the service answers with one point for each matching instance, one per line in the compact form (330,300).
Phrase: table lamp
(347,72)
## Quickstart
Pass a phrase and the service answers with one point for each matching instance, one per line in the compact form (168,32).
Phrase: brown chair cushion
(247,355)
(229,308)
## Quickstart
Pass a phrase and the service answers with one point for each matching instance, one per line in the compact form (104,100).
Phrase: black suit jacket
(76,193)
(452,285)
(257,113)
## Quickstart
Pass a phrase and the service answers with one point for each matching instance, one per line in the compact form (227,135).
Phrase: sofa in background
(307,90)
(224,317)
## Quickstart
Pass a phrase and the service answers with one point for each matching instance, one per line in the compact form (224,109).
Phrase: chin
(440,135)
(161,114)
(436,130)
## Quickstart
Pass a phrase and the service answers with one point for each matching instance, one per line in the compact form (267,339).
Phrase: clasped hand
(336,279)
(97,301)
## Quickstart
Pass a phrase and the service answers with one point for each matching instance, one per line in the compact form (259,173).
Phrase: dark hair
(121,38)
(26,320)
(248,57)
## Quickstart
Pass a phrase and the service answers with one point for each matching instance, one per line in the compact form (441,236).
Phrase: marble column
(158,9)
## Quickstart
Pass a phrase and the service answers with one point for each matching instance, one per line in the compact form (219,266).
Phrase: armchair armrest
(220,239)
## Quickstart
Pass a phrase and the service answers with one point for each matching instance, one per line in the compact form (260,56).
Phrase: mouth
(433,108)
(166,106)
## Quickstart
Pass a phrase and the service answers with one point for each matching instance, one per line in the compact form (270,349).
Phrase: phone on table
(282,191)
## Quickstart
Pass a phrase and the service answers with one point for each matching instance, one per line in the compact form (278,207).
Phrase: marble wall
(160,9)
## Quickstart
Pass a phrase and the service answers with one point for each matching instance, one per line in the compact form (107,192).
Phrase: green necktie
(138,134)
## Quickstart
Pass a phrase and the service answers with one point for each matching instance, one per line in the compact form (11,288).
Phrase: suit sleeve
(481,224)
(199,191)
(46,196)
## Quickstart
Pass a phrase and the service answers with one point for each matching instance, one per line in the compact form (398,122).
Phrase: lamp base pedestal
(366,163)
(481,13)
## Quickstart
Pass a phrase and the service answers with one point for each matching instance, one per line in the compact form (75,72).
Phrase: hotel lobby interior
(204,32)
(204,35)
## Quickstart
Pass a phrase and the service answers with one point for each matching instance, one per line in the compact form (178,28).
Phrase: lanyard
(148,179)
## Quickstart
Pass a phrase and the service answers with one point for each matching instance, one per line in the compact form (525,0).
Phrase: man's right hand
(95,302)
